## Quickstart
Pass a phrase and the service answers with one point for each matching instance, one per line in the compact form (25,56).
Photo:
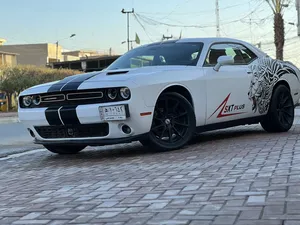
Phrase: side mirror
(222,61)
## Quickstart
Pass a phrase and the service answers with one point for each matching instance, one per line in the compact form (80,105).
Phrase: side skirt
(228,124)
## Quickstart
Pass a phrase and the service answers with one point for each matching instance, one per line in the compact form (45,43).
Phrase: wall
(70,58)
(8,59)
(52,53)
(31,54)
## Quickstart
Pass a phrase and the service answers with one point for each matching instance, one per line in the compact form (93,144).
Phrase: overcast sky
(99,24)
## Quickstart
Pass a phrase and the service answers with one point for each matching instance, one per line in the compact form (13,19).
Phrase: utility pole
(217,18)
(57,51)
(127,12)
(167,37)
(298,15)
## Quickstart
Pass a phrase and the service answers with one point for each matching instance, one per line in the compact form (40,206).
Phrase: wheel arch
(180,89)
(281,82)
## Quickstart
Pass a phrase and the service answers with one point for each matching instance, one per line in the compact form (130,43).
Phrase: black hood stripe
(52,116)
(57,86)
(67,83)
(74,84)
(68,115)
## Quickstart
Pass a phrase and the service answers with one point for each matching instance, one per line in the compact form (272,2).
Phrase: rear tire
(64,149)
(173,123)
(280,117)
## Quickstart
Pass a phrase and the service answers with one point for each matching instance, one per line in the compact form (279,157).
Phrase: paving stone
(274,210)
(237,176)
(235,202)
(259,222)
(256,199)
(250,214)
(291,222)
(224,220)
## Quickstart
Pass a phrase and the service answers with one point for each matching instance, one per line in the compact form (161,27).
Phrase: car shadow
(135,149)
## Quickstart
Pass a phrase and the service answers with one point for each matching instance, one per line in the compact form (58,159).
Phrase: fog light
(31,133)
(126,129)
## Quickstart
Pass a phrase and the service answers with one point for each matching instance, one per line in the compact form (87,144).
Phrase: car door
(227,88)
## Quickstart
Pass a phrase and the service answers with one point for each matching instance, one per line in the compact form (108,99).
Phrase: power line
(154,22)
(173,10)
(137,19)
(198,12)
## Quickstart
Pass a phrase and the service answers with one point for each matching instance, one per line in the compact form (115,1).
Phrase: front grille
(78,97)
(76,131)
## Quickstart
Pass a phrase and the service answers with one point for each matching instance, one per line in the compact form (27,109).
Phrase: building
(86,64)
(81,53)
(2,41)
(8,58)
(35,54)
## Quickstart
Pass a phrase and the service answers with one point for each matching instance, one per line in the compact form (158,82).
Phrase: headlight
(112,93)
(36,100)
(27,100)
(125,92)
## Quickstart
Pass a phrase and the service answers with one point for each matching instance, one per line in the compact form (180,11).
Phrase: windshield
(160,54)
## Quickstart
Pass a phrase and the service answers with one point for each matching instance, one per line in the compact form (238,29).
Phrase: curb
(9,120)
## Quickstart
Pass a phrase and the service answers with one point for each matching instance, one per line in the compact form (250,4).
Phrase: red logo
(228,108)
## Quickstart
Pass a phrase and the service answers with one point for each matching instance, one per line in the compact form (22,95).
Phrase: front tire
(280,117)
(64,149)
(173,123)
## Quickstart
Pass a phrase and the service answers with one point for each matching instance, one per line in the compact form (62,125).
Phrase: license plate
(116,112)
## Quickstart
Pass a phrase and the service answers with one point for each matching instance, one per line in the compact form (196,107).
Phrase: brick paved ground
(237,176)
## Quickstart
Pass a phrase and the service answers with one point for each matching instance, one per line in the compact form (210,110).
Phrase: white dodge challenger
(161,94)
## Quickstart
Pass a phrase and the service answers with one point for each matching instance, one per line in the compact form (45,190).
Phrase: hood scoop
(117,72)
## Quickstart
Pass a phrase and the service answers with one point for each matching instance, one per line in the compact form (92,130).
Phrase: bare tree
(277,8)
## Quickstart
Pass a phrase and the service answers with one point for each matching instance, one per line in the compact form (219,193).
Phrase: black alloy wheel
(285,109)
(173,122)
(281,113)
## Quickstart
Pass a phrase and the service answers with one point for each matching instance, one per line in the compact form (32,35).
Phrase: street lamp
(72,35)
(130,41)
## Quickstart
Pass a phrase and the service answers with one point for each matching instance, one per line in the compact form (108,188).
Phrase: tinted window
(160,55)
(240,54)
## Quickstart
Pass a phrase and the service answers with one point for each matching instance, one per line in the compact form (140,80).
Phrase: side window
(240,54)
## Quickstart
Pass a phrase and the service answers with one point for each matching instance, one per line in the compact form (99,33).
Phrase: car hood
(105,76)
(131,73)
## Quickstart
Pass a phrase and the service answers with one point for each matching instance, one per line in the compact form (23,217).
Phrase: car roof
(205,40)
(209,41)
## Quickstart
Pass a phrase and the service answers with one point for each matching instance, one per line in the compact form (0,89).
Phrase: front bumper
(93,142)
(89,115)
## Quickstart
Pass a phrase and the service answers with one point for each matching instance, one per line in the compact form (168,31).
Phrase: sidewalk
(8,117)
(8,114)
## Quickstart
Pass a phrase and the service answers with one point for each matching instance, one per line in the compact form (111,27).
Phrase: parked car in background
(161,94)
(3,102)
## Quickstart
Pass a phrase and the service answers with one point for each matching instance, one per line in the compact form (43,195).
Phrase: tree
(277,8)
(14,79)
